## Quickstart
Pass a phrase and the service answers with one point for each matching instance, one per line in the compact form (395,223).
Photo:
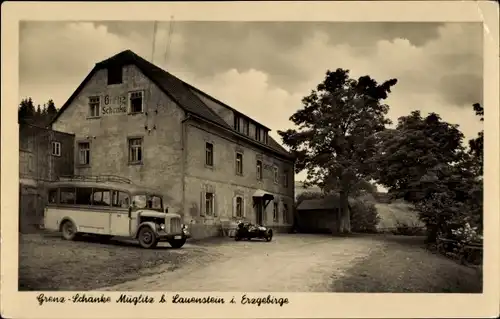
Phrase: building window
(56,148)
(209,204)
(285,178)
(239,163)
(239,207)
(265,137)
(275,211)
(84,153)
(135,150)
(237,123)
(258,133)
(115,75)
(246,127)
(285,213)
(276,175)
(259,170)
(136,100)
(209,154)
(94,106)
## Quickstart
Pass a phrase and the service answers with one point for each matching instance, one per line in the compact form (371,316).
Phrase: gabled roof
(177,90)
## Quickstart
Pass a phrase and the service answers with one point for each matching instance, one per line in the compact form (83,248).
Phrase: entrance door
(259,218)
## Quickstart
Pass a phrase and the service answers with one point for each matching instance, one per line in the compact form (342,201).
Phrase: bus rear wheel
(68,230)
(147,238)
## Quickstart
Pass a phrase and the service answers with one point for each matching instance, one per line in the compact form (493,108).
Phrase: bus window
(101,197)
(83,196)
(147,201)
(120,199)
(156,202)
(139,201)
(53,196)
(67,195)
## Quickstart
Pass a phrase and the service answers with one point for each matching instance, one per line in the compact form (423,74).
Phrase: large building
(44,155)
(212,163)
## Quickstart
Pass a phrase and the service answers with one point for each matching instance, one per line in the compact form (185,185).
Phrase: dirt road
(290,263)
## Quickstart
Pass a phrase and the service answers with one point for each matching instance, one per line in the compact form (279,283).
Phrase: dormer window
(115,75)
(258,133)
(237,123)
(241,124)
(246,127)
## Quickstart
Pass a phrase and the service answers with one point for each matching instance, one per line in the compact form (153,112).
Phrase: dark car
(248,231)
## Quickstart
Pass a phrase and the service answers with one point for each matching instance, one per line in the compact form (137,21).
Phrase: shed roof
(176,89)
(328,202)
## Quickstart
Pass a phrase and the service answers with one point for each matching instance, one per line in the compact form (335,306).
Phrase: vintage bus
(110,206)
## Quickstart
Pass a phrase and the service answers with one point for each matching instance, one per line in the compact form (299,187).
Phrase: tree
(476,145)
(26,111)
(333,141)
(424,162)
(51,110)
(412,157)
(38,118)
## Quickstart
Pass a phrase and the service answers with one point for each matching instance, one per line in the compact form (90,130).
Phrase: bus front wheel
(147,238)
(177,243)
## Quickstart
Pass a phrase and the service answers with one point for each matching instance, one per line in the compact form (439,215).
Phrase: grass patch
(396,212)
(404,265)
(46,262)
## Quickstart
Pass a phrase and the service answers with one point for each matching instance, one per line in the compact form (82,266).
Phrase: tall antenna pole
(169,39)
(150,85)
(154,41)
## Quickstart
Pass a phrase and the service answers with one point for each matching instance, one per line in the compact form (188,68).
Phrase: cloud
(264,69)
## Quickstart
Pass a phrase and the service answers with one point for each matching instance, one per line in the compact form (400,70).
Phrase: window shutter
(234,206)
(214,198)
(202,203)
(244,207)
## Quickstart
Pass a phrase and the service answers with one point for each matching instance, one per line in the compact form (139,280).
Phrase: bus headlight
(162,226)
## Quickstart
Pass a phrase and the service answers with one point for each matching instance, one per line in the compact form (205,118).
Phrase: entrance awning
(263,194)
(27,182)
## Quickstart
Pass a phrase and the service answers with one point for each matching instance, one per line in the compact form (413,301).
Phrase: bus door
(119,218)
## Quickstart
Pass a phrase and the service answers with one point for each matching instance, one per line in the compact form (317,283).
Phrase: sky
(264,69)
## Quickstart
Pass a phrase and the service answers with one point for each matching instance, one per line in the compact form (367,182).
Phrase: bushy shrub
(406,229)
(467,234)
(364,216)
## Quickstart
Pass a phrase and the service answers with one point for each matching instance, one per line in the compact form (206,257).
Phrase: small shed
(319,215)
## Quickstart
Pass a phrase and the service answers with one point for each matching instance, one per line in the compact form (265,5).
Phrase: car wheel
(269,236)
(147,238)
(68,230)
(177,243)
